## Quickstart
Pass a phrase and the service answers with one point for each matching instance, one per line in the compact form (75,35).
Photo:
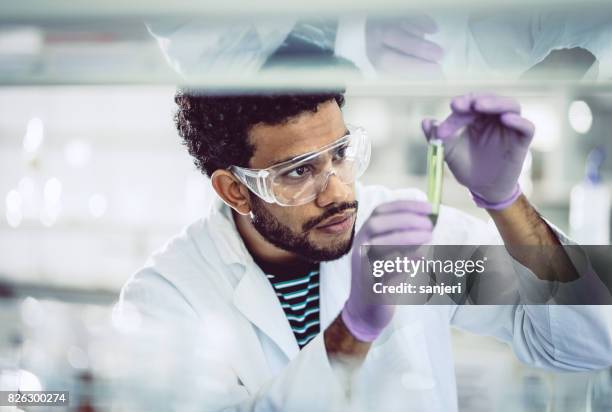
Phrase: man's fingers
(400,215)
(449,128)
(429,128)
(461,104)
(392,222)
(496,105)
(414,206)
(466,108)
(515,122)
(484,103)
(412,237)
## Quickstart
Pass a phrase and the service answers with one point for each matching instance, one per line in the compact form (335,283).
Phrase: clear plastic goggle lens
(303,181)
(300,180)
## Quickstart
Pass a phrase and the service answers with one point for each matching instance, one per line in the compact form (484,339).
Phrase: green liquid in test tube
(435,171)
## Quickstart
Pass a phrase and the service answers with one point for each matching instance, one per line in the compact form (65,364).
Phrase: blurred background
(93,176)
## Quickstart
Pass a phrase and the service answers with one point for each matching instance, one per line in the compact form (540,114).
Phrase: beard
(284,238)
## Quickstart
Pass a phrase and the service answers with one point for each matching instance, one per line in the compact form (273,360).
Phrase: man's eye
(340,153)
(298,172)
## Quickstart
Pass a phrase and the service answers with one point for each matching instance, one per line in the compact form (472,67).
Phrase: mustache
(328,213)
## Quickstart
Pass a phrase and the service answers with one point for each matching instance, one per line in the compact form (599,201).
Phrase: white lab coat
(205,277)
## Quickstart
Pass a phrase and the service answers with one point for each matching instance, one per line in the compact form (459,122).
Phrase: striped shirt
(299,298)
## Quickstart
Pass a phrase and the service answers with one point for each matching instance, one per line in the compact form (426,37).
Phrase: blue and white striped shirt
(299,298)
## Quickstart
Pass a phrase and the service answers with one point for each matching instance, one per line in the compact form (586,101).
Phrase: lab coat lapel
(253,296)
(334,290)
(256,299)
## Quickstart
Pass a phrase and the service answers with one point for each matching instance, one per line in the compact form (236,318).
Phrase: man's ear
(231,191)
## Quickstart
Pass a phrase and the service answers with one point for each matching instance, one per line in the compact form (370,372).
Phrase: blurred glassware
(103,364)
(580,116)
(599,392)
(535,394)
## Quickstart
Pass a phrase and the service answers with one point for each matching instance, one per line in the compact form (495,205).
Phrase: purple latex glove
(486,142)
(399,47)
(403,222)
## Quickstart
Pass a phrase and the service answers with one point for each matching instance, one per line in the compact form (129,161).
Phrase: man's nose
(335,192)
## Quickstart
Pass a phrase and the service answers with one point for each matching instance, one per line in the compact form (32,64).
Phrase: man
(266,277)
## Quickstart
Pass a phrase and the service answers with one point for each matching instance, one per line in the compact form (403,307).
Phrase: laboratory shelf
(321,79)
(9,289)
(81,42)
(62,9)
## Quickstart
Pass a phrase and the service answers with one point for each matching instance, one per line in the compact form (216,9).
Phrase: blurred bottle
(590,204)
(536,394)
(599,393)
(85,392)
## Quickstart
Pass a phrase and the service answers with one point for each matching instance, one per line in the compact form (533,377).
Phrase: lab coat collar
(225,235)
(253,296)
(256,299)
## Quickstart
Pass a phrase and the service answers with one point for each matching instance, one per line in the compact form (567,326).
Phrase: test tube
(435,170)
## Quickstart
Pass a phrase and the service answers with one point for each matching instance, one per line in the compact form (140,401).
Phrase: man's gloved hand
(486,141)
(403,222)
(399,47)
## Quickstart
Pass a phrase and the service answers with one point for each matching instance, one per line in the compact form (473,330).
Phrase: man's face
(322,229)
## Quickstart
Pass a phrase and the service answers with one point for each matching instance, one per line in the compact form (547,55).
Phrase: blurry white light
(28,189)
(77,153)
(13,201)
(21,41)
(18,379)
(32,312)
(14,208)
(52,204)
(34,135)
(580,116)
(27,381)
(52,191)
(77,358)
(547,125)
(97,205)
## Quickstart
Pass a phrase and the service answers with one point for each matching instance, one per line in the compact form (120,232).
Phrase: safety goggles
(301,179)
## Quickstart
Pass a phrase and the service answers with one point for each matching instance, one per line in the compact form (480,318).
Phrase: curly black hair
(215,128)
